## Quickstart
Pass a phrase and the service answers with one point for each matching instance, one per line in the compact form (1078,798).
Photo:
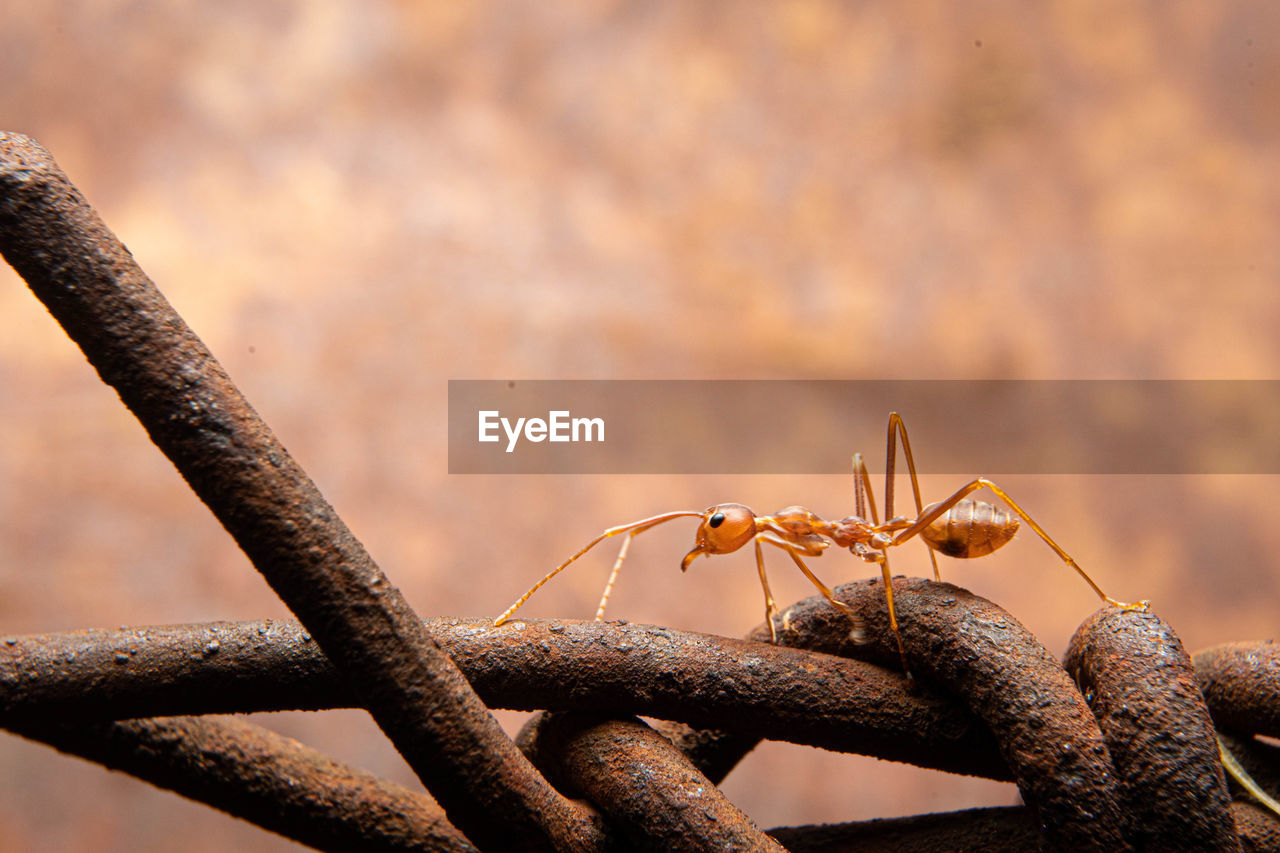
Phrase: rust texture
(1007,829)
(984,698)
(761,690)
(715,752)
(1259,829)
(262,777)
(1140,684)
(1241,682)
(1046,732)
(168,378)
(647,788)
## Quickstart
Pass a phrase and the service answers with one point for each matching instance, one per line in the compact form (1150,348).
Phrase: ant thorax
(850,531)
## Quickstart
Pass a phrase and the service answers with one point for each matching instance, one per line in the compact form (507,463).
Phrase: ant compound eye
(716,520)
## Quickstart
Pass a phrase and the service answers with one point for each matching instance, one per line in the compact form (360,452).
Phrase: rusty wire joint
(1116,751)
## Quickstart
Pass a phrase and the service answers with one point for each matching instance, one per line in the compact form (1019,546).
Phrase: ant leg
(863,479)
(940,508)
(936,512)
(1066,558)
(861,486)
(613,575)
(858,625)
(770,609)
(893,612)
(633,528)
(1237,772)
(896,428)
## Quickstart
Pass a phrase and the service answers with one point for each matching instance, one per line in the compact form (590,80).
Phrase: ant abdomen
(969,529)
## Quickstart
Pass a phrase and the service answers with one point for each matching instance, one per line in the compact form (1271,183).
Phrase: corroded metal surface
(265,778)
(1259,829)
(1241,682)
(648,789)
(229,456)
(1047,735)
(759,690)
(1140,684)
(1016,713)
(1009,829)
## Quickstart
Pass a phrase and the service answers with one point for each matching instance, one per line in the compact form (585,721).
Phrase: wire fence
(1113,750)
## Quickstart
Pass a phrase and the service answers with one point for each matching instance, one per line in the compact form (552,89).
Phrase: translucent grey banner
(963,428)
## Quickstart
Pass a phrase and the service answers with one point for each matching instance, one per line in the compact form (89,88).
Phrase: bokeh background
(353,202)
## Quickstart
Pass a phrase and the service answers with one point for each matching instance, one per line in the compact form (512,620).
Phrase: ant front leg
(859,627)
(863,497)
(613,575)
(872,555)
(629,529)
(770,609)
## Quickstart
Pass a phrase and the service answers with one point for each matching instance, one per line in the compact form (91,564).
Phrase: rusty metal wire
(1140,683)
(230,458)
(1007,829)
(768,692)
(1241,683)
(1129,762)
(648,789)
(1045,731)
(262,777)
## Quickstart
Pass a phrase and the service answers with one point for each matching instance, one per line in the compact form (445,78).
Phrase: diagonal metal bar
(230,458)
(758,689)
(264,778)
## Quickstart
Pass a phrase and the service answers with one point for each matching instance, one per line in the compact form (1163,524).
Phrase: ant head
(725,528)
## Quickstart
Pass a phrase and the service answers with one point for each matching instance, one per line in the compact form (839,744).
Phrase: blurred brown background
(355,202)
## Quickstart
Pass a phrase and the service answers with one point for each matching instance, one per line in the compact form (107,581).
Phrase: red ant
(957,527)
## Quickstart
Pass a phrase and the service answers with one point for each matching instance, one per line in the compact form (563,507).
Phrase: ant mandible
(957,527)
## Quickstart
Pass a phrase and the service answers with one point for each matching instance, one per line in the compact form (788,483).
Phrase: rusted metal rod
(1259,829)
(757,689)
(1003,829)
(1141,686)
(648,789)
(1046,732)
(715,752)
(1241,683)
(196,416)
(264,778)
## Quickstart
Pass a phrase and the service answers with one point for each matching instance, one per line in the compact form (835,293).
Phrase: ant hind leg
(898,428)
